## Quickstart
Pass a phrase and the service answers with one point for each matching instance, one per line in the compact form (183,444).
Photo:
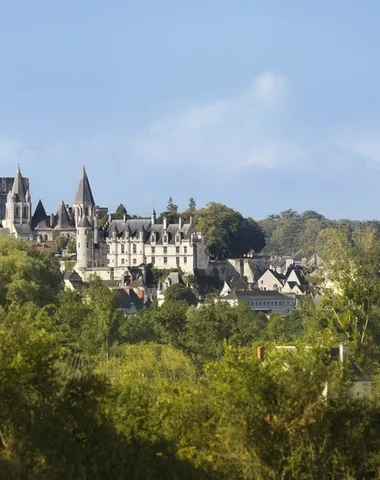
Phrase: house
(291,282)
(271,280)
(262,300)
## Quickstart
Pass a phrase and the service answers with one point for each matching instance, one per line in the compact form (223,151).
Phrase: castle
(107,251)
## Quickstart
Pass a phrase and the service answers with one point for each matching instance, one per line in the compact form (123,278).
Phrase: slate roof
(257,294)
(84,194)
(64,219)
(39,215)
(18,188)
(74,278)
(133,227)
(130,303)
(23,229)
(84,223)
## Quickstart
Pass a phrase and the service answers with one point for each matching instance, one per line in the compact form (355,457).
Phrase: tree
(72,245)
(179,292)
(120,212)
(27,275)
(171,213)
(61,241)
(192,206)
(227,232)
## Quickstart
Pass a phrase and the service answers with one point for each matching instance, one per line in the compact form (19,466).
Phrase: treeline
(229,234)
(290,231)
(178,391)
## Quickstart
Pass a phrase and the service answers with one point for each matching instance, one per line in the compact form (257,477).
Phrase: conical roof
(18,188)
(39,215)
(84,223)
(64,219)
(84,194)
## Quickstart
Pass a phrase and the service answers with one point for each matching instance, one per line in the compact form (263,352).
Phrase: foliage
(227,232)
(120,212)
(72,245)
(178,292)
(178,391)
(27,275)
(61,241)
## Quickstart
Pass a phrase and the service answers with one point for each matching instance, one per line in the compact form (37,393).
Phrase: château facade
(108,251)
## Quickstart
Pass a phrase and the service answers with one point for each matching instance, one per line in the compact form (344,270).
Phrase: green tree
(120,212)
(27,275)
(227,232)
(72,245)
(178,292)
(61,241)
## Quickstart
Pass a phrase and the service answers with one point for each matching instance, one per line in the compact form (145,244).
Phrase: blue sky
(261,105)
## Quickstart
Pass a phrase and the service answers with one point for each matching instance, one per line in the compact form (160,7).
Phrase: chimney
(260,353)
(125,217)
(191,220)
(179,222)
(343,352)
(52,218)
(165,226)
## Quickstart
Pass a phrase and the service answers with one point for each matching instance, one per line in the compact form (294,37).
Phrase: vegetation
(177,391)
(290,231)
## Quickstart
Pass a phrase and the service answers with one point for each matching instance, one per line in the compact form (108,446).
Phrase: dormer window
(165,238)
(178,238)
(153,237)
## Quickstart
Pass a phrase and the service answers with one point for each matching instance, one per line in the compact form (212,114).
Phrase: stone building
(126,243)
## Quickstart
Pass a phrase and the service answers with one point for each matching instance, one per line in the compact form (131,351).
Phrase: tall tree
(227,232)
(120,212)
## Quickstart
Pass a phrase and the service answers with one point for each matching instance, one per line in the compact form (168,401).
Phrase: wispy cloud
(242,130)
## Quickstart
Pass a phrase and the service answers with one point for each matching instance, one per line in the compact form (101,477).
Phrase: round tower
(84,244)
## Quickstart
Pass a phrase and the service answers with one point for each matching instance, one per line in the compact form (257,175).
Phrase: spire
(153,217)
(64,220)
(18,189)
(84,194)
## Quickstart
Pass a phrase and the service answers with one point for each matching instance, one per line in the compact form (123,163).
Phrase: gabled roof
(18,188)
(23,229)
(84,194)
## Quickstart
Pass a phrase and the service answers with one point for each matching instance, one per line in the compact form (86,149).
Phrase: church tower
(84,204)
(18,209)
(84,211)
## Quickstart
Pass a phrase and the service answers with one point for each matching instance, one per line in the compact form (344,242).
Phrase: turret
(84,244)
(153,217)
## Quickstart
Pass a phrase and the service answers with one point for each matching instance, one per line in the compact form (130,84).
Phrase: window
(108,261)
(165,260)
(122,261)
(184,250)
(87,244)
(176,249)
(134,261)
(165,249)
(153,250)
(122,248)
(165,238)
(108,248)
(177,260)
(184,259)
(153,260)
(78,245)
(134,248)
